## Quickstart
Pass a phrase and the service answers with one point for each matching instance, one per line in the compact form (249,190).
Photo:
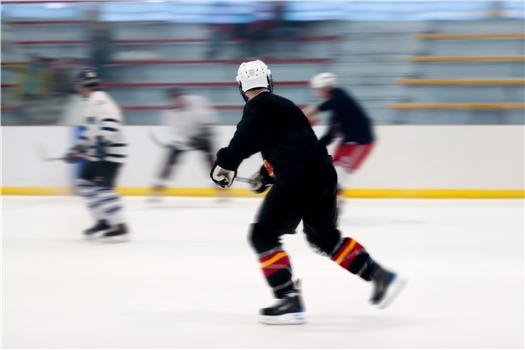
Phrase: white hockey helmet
(252,75)
(323,80)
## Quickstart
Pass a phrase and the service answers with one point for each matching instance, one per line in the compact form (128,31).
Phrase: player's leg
(205,146)
(320,226)
(359,155)
(110,202)
(342,160)
(165,174)
(347,159)
(281,212)
(87,189)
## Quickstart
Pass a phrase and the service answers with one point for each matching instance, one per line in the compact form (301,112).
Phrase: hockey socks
(351,256)
(88,191)
(102,202)
(275,265)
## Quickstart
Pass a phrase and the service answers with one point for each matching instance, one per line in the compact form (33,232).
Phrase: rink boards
(409,161)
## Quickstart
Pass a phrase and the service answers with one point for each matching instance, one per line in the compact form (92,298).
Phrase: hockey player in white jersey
(190,119)
(104,147)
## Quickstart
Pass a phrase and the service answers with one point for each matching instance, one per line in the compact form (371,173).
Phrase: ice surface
(190,280)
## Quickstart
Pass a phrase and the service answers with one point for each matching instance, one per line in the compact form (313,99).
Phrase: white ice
(189,279)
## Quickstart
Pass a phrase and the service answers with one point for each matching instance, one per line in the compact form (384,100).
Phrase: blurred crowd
(369,46)
(40,86)
(268,33)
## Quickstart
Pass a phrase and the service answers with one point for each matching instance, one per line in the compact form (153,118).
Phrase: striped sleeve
(110,120)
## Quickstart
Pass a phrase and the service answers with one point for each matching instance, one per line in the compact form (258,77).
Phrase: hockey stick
(42,153)
(155,140)
(244,179)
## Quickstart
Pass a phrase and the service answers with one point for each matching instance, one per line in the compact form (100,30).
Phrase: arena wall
(409,161)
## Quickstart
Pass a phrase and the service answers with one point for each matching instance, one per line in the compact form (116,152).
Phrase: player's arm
(328,136)
(261,180)
(79,149)
(248,139)
(110,124)
(331,104)
(312,113)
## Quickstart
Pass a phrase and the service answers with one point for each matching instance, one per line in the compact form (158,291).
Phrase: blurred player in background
(347,121)
(304,187)
(190,119)
(104,147)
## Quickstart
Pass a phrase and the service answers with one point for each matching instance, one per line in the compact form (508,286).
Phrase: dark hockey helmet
(88,77)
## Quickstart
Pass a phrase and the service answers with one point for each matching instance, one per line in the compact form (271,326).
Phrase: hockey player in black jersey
(303,187)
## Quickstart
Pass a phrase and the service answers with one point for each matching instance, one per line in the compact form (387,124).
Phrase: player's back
(348,118)
(291,145)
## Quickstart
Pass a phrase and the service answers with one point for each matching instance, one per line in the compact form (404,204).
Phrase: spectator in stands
(32,79)
(259,30)
(286,32)
(31,87)
(60,81)
(7,38)
(220,26)
(100,44)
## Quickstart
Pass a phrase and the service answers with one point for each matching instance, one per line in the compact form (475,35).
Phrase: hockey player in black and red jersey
(303,187)
(348,121)
(104,147)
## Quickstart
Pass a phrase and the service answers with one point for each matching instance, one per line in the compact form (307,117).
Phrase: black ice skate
(101,225)
(387,286)
(287,310)
(117,233)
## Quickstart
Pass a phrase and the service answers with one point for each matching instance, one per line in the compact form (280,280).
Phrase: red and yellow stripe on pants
(274,262)
(347,253)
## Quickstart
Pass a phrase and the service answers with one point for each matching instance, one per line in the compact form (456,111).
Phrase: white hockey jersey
(189,121)
(103,118)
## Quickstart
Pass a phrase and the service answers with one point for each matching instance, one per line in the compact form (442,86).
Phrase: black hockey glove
(75,154)
(261,181)
(220,173)
(100,147)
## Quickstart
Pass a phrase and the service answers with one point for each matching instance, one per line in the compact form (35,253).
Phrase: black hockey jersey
(348,120)
(278,129)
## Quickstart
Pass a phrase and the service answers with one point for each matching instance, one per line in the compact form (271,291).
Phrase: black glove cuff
(78,149)
(224,163)
(264,176)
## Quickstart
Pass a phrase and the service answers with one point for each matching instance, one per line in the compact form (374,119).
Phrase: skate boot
(117,233)
(287,310)
(101,225)
(387,286)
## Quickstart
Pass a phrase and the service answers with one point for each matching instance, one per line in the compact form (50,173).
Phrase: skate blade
(116,239)
(287,319)
(393,292)
(94,236)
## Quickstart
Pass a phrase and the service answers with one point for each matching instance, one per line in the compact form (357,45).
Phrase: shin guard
(351,256)
(276,267)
